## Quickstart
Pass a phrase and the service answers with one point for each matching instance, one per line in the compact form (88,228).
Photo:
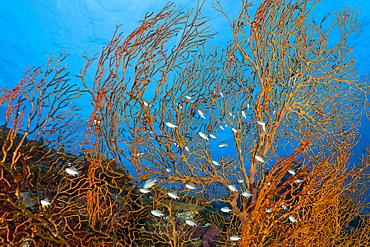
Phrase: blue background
(31,30)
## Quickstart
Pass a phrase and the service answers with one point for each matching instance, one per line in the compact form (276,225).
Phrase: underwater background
(32,30)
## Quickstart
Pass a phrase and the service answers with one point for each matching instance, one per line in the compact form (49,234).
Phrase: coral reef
(186,145)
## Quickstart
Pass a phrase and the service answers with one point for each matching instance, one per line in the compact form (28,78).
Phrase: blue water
(32,30)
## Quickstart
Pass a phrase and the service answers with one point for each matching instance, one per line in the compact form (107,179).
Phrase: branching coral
(148,169)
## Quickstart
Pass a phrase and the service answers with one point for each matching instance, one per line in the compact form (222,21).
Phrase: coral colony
(184,144)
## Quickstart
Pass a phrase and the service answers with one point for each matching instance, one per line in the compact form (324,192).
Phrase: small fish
(201,134)
(223,144)
(190,186)
(259,159)
(268,210)
(168,170)
(145,103)
(248,106)
(235,238)
(213,136)
(187,149)
(226,209)
(201,114)
(244,114)
(149,183)
(263,124)
(188,97)
(222,95)
(144,191)
(216,163)
(222,127)
(240,181)
(292,219)
(298,181)
(291,171)
(232,188)
(190,222)
(234,130)
(173,195)
(247,193)
(45,202)
(157,213)
(284,206)
(72,171)
(171,125)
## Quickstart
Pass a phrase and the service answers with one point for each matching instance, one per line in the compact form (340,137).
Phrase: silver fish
(173,195)
(149,183)
(226,209)
(247,193)
(190,186)
(144,191)
(157,213)
(72,171)
(201,114)
(204,136)
(215,163)
(259,159)
(292,219)
(291,171)
(223,144)
(263,124)
(171,125)
(232,188)
(235,238)
(190,222)
(45,202)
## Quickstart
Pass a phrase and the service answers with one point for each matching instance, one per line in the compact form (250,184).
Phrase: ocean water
(32,31)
